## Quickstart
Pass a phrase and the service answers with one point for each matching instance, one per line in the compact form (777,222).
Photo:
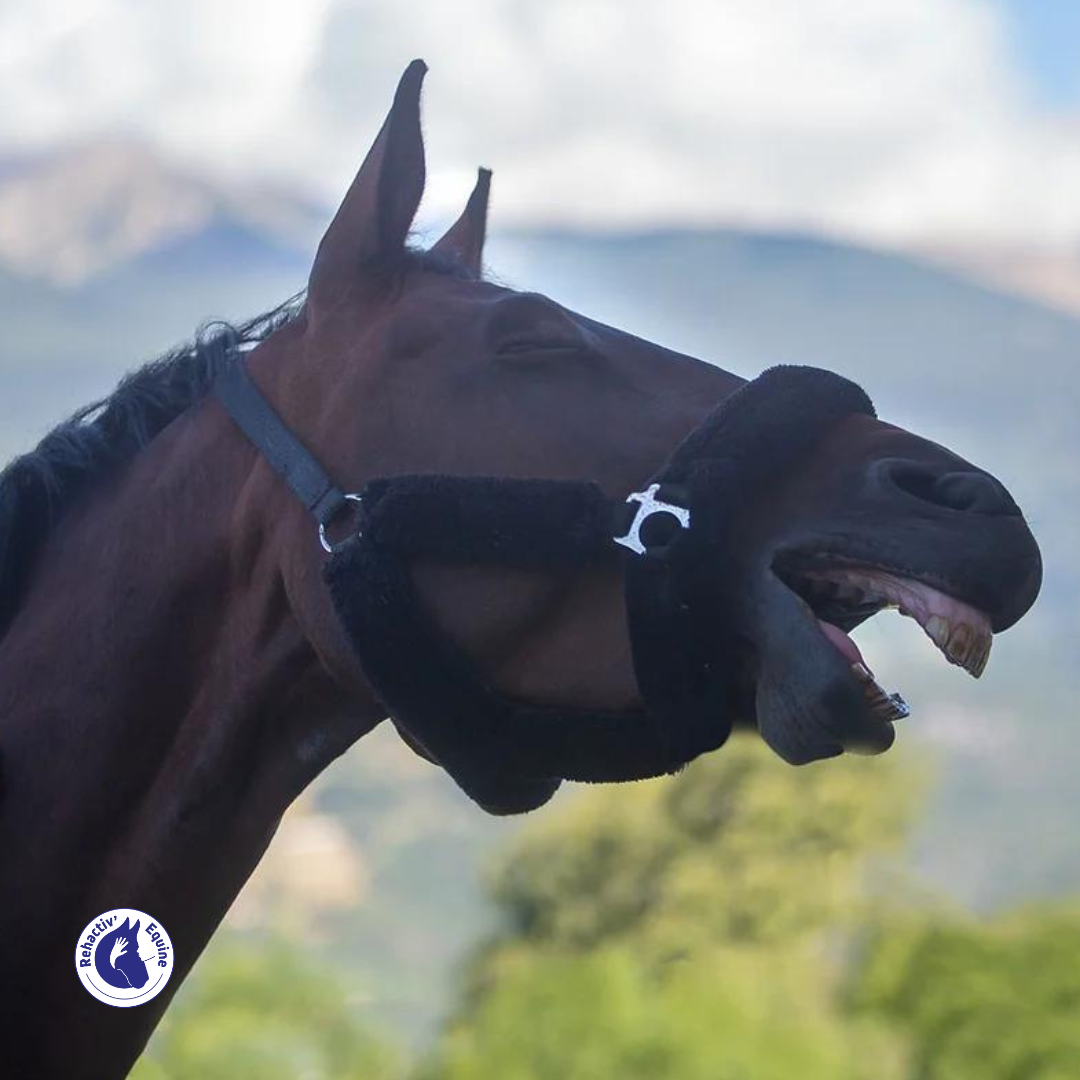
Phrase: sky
(892,120)
(1045,37)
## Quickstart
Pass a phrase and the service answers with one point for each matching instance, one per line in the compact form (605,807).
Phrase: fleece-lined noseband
(672,538)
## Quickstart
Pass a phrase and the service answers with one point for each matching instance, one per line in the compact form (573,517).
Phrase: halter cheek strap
(672,539)
(254,416)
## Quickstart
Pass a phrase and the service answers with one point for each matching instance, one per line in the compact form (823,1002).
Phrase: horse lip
(791,661)
(1003,609)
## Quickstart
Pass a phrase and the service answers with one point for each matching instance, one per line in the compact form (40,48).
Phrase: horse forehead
(437,310)
(435,297)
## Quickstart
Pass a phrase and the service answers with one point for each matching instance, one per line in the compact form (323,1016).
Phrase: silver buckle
(649,504)
(328,546)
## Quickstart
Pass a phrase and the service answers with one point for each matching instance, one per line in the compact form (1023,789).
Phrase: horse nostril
(975,492)
(969,491)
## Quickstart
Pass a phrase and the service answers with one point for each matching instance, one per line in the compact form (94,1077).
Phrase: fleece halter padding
(673,543)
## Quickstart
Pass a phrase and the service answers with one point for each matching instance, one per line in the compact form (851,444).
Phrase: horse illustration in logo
(117,958)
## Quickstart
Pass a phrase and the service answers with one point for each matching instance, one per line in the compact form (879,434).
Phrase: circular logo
(124,957)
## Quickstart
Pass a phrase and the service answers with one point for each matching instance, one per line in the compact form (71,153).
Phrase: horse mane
(37,487)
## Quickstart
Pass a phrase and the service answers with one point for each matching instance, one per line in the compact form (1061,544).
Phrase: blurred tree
(998,1000)
(261,1012)
(690,927)
(735,1014)
(739,847)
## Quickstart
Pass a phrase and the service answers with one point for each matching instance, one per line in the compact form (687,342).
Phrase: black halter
(672,538)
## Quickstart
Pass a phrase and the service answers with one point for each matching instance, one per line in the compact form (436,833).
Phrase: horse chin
(503,796)
(497,795)
(808,700)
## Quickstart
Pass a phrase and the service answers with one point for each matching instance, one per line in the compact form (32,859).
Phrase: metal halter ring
(328,547)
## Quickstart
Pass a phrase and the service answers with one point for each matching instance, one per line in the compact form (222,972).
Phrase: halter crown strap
(255,416)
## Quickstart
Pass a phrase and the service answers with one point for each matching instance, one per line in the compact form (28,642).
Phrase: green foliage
(263,1013)
(738,848)
(740,1014)
(686,928)
(982,1001)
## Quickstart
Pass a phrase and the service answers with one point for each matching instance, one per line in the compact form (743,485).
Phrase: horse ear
(464,240)
(374,219)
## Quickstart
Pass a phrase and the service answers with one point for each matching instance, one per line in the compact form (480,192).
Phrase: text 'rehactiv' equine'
(177,661)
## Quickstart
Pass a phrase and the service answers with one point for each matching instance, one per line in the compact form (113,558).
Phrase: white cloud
(895,119)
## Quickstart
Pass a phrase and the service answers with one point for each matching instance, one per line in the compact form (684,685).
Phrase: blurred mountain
(1050,276)
(108,256)
(69,216)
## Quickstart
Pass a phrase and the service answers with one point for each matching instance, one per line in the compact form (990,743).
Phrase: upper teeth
(967,646)
(961,632)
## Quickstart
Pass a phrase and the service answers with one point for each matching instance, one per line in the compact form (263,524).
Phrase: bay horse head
(409,362)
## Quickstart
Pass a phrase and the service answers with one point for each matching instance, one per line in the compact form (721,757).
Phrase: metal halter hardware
(330,547)
(648,505)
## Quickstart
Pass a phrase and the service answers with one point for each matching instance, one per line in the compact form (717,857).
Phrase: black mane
(36,487)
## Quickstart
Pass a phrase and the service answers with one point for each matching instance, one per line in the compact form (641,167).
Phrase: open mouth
(840,597)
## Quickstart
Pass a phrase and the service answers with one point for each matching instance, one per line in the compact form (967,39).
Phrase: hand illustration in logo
(118,949)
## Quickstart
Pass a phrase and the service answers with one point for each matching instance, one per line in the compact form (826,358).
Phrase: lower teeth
(883,705)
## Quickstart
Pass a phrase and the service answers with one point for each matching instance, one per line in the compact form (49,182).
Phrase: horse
(174,669)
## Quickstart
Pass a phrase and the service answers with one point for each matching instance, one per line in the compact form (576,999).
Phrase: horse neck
(159,709)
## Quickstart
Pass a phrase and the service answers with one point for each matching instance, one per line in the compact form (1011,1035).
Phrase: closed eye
(537,344)
(549,356)
(526,345)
